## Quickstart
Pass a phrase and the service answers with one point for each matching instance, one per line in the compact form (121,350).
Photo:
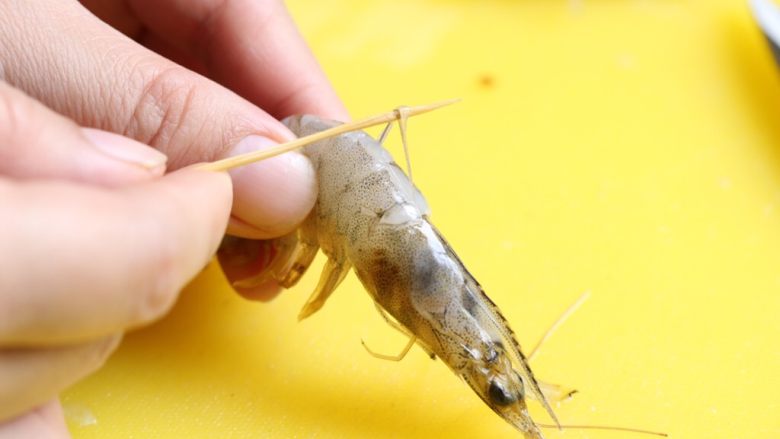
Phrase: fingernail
(125,149)
(273,195)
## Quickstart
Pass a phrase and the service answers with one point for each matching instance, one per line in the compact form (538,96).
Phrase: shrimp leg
(551,391)
(403,114)
(296,252)
(556,392)
(400,328)
(393,324)
(398,357)
(385,132)
(332,274)
(558,322)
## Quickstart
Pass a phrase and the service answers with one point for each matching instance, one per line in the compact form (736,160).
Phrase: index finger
(252,47)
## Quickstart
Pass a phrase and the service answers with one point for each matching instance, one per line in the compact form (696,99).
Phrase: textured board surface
(628,148)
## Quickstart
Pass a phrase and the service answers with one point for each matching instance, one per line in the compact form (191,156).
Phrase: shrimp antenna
(551,330)
(255,156)
(604,427)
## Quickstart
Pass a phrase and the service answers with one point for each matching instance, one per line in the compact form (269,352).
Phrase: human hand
(239,55)
(65,57)
(94,242)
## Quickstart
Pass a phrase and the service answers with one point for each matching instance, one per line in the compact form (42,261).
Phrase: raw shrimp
(371,218)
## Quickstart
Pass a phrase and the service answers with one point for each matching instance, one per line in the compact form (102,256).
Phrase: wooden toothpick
(255,156)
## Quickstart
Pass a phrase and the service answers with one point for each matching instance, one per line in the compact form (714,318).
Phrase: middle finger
(28,377)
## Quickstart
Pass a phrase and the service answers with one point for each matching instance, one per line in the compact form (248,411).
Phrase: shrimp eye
(499,395)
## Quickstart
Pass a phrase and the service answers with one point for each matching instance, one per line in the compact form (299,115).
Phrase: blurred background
(626,148)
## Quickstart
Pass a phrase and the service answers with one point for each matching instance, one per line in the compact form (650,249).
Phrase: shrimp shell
(370,217)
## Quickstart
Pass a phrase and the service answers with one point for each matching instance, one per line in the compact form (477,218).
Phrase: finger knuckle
(15,111)
(164,113)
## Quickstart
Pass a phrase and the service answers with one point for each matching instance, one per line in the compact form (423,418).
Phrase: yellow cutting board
(626,148)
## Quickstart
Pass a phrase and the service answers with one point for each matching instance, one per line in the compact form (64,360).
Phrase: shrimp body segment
(371,218)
